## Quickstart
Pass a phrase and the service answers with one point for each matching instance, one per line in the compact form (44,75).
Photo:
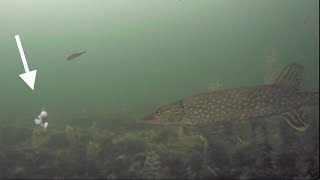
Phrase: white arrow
(29,76)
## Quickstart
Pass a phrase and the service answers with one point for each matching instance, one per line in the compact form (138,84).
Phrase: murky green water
(141,55)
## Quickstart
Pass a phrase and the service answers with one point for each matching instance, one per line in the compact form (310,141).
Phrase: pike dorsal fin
(292,75)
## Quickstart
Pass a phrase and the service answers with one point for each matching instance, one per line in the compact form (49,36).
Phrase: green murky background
(140,55)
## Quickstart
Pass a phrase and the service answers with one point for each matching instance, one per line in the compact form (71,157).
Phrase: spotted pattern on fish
(233,105)
(242,103)
(238,104)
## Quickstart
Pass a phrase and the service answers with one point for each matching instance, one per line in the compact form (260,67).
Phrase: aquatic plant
(39,139)
(152,166)
(93,149)
(215,85)
(272,67)
(71,134)
(274,151)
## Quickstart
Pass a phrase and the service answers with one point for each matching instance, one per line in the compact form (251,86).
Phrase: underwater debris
(42,119)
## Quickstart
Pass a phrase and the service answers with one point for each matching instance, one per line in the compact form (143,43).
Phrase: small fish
(74,55)
(283,97)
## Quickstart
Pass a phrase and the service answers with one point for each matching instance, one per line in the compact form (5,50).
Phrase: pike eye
(158,112)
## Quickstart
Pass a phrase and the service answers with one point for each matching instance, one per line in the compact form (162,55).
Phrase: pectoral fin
(187,130)
(297,119)
(244,132)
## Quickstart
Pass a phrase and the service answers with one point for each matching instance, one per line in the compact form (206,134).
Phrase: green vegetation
(151,152)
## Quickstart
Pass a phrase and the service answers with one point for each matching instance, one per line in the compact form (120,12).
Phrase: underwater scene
(162,89)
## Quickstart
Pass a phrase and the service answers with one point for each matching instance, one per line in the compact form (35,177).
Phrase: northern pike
(283,97)
(74,55)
